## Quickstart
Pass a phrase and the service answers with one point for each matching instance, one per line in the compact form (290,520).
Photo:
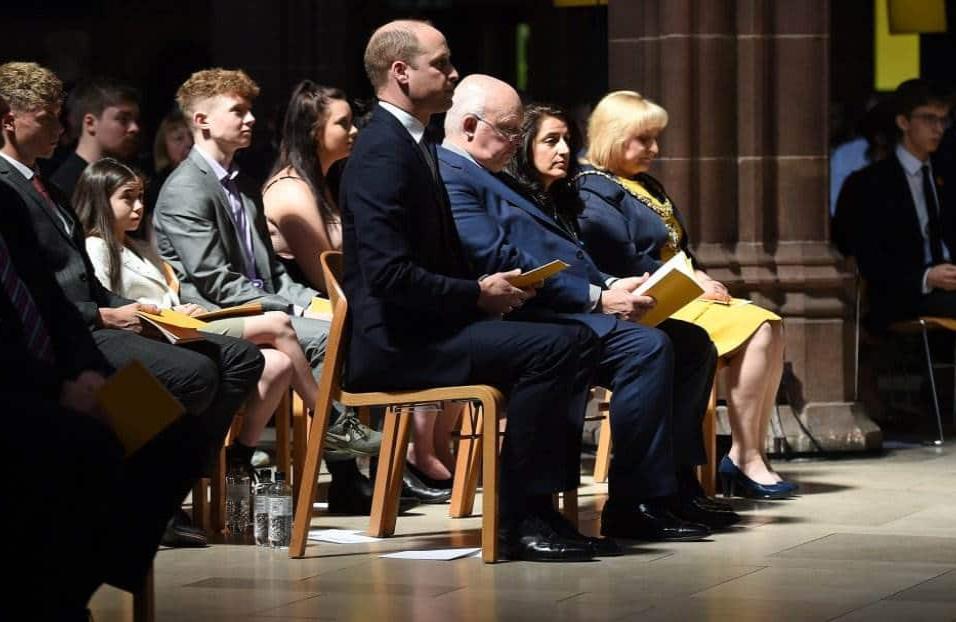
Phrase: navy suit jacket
(405,274)
(502,230)
(876,221)
(623,235)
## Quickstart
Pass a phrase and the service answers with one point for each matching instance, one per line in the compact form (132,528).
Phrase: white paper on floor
(434,554)
(340,536)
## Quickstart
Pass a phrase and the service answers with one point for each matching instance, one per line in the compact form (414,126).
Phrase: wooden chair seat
(388,482)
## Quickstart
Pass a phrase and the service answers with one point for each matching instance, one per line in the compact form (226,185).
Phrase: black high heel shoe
(440,484)
(736,484)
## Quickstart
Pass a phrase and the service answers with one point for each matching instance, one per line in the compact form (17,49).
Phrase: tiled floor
(870,539)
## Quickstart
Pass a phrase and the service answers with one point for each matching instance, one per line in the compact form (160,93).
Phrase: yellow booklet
(672,286)
(176,327)
(321,305)
(249,308)
(529,278)
(138,405)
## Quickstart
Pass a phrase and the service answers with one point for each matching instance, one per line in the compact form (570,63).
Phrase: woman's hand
(714,290)
(189,309)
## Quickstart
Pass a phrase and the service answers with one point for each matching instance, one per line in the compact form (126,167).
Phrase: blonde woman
(630,226)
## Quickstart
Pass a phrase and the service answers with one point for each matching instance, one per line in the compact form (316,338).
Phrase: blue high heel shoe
(736,484)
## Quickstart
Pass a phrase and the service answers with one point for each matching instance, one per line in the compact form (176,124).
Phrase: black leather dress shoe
(649,521)
(441,484)
(180,533)
(353,496)
(416,489)
(696,510)
(600,547)
(534,540)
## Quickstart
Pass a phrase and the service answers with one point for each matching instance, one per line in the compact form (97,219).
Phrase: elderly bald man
(660,377)
(421,316)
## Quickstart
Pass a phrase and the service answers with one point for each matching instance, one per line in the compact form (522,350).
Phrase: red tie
(34,328)
(40,188)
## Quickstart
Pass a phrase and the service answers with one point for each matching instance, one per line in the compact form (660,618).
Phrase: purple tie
(37,337)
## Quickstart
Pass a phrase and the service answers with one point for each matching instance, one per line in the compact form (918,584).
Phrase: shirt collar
(25,170)
(456,149)
(911,164)
(221,174)
(410,123)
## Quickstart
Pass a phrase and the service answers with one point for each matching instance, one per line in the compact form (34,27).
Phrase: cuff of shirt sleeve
(594,294)
(926,288)
(298,311)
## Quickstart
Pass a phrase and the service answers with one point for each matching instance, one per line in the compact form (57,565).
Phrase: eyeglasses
(932,119)
(511,136)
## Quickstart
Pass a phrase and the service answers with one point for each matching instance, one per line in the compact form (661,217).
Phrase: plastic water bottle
(238,501)
(260,512)
(280,512)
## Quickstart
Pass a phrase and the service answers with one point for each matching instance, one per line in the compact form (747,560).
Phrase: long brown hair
(307,112)
(91,200)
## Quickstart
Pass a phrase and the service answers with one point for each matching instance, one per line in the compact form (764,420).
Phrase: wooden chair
(144,600)
(923,326)
(468,462)
(706,473)
(391,462)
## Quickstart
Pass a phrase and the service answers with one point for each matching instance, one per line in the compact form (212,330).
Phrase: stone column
(746,83)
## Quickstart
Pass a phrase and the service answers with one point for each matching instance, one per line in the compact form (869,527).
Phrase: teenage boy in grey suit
(215,237)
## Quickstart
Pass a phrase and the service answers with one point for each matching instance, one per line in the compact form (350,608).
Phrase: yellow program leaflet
(138,405)
(548,270)
(672,286)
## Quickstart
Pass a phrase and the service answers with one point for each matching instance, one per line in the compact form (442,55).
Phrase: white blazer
(141,275)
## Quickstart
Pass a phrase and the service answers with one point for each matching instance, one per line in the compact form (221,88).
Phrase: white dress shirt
(913,169)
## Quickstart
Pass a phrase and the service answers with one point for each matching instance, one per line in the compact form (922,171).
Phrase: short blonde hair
(211,82)
(28,86)
(397,40)
(617,117)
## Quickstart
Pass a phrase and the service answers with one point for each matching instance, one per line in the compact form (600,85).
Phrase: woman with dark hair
(109,203)
(631,226)
(299,202)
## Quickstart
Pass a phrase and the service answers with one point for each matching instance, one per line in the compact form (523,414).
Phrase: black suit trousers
(545,370)
(212,377)
(660,380)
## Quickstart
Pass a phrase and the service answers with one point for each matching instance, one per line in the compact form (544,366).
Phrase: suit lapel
(26,189)
(396,126)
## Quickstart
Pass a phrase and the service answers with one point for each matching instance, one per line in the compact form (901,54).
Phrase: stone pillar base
(836,426)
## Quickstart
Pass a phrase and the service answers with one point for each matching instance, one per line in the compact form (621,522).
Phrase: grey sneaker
(349,436)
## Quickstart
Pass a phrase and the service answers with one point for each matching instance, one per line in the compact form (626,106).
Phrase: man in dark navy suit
(421,316)
(660,378)
(898,219)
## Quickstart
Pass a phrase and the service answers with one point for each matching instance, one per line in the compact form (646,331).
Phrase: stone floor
(869,539)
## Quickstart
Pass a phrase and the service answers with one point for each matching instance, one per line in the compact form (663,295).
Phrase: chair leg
(602,461)
(932,383)
(283,421)
(217,494)
(466,465)
(201,504)
(300,435)
(391,466)
(707,472)
(310,474)
(144,600)
(490,474)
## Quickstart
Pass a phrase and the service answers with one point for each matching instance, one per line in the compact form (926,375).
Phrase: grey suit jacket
(62,248)
(195,234)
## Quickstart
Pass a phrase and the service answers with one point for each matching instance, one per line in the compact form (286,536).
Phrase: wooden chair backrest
(335,347)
